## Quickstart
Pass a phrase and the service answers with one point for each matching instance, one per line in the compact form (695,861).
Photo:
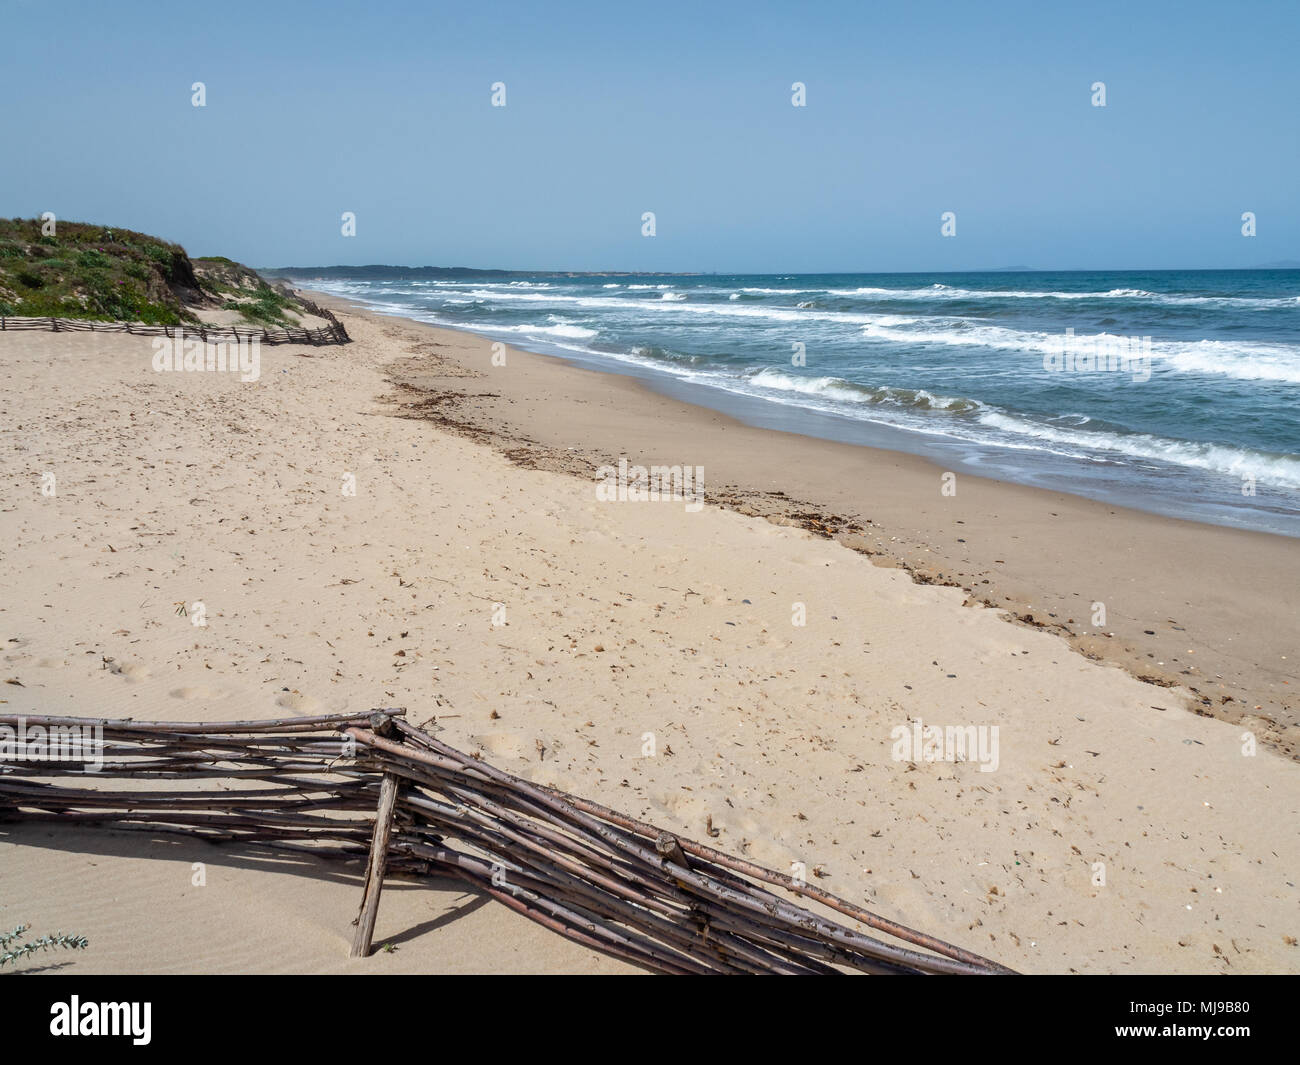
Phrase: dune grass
(91,271)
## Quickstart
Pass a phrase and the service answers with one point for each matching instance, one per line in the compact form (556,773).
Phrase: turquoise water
(1180,390)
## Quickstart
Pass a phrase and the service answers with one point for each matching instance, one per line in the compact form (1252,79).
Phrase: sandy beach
(772,644)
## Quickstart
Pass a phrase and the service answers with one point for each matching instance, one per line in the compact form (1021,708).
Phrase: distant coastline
(378,272)
(383,272)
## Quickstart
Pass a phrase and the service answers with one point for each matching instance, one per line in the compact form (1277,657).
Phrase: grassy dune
(108,274)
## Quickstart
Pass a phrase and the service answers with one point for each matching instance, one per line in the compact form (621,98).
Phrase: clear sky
(684,109)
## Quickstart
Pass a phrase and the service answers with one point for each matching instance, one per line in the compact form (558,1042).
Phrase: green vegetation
(10,953)
(88,271)
(238,288)
(101,273)
(268,306)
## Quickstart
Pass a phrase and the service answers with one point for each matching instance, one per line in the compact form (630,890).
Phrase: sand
(624,624)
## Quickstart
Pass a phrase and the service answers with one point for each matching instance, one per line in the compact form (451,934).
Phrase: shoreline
(1157,446)
(1153,574)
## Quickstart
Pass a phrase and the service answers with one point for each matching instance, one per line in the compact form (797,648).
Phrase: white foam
(944,292)
(571,332)
(1245,360)
(847,391)
(1216,458)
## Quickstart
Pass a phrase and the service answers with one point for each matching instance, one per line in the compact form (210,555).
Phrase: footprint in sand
(688,808)
(134,671)
(298,702)
(198,692)
(906,898)
(501,744)
(768,852)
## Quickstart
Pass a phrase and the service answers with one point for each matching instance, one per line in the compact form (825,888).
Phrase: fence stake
(375,870)
(382,724)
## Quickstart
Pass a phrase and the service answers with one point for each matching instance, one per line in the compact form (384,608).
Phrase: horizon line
(1281,264)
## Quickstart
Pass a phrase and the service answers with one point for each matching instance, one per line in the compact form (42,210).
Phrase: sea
(1171,391)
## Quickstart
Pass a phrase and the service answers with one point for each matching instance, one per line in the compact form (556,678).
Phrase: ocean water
(1173,391)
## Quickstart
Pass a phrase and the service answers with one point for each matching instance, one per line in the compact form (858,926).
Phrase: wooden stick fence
(334,333)
(372,788)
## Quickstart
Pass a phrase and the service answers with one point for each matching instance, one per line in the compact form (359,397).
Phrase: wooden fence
(334,333)
(375,790)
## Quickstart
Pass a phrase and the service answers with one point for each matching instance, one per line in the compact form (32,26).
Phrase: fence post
(375,870)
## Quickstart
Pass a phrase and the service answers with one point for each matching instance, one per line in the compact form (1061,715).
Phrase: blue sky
(683,109)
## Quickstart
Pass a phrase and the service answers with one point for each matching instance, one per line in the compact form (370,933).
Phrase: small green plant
(165,259)
(10,953)
(267,307)
(93,258)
